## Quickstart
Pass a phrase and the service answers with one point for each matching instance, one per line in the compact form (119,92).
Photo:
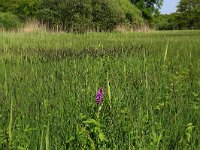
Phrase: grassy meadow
(151,84)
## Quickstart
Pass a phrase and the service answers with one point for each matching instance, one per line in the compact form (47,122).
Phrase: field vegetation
(150,81)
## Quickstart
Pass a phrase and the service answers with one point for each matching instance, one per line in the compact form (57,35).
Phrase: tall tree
(27,8)
(149,8)
(7,5)
(189,11)
(76,15)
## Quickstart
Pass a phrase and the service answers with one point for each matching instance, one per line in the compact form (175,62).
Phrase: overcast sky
(169,6)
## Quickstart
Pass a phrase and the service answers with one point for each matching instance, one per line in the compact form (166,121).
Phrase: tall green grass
(151,82)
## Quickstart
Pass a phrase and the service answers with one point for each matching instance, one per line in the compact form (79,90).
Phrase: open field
(151,83)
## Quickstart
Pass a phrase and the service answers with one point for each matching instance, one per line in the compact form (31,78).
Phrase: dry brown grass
(133,28)
(33,26)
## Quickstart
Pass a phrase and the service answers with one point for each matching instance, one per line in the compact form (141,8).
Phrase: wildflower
(99,96)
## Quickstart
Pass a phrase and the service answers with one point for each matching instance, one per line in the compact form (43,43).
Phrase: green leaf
(91,121)
(21,148)
(72,138)
(102,137)
(194,94)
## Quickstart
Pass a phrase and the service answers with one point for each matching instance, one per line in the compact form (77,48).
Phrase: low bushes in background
(9,21)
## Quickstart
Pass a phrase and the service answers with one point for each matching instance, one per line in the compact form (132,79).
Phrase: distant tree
(107,14)
(50,12)
(132,14)
(7,5)
(27,8)
(76,15)
(189,13)
(149,8)
(22,8)
(9,21)
(166,22)
(67,14)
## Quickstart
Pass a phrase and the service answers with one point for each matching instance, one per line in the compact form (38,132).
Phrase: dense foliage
(9,21)
(189,11)
(186,17)
(148,7)
(76,15)
(166,22)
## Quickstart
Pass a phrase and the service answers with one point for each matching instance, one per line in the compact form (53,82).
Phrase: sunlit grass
(151,84)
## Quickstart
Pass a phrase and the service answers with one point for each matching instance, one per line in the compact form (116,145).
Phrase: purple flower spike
(99,96)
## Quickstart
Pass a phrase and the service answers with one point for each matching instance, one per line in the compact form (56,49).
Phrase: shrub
(69,15)
(84,15)
(107,14)
(132,13)
(9,21)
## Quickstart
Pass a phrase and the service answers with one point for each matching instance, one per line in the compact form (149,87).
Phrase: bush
(9,21)
(107,14)
(84,15)
(132,14)
(77,15)
(69,15)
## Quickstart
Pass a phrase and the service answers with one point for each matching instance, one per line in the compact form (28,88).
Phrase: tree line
(97,15)
(187,16)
